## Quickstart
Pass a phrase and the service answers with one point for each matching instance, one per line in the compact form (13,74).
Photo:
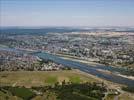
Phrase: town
(108,48)
(61,54)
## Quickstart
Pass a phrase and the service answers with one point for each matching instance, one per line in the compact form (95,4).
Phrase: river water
(88,69)
(83,67)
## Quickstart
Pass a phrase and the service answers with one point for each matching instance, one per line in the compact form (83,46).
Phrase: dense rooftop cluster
(12,61)
(110,48)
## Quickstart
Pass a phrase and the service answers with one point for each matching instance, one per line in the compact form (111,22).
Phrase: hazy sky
(66,12)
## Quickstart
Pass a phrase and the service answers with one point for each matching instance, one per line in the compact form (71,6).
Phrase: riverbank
(68,57)
(93,64)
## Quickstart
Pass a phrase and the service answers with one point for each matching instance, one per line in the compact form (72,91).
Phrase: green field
(41,78)
(23,85)
(12,84)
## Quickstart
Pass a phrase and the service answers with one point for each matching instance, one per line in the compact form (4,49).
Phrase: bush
(22,92)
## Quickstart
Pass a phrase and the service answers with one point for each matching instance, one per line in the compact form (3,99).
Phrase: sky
(66,12)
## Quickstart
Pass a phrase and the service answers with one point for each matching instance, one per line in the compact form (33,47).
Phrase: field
(40,78)
(12,86)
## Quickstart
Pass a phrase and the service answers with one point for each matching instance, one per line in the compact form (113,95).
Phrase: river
(83,67)
(87,68)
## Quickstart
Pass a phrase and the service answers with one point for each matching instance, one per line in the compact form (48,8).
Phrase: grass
(22,92)
(75,79)
(46,96)
(8,96)
(41,78)
(37,78)
(51,79)
(16,93)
